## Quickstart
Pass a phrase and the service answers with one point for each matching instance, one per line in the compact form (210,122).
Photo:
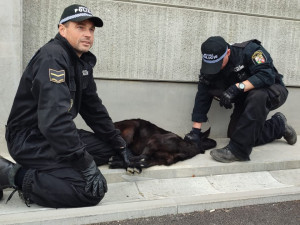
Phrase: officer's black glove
(119,144)
(228,96)
(195,136)
(124,152)
(95,181)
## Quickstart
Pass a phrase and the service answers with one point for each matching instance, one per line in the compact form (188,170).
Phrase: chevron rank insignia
(57,76)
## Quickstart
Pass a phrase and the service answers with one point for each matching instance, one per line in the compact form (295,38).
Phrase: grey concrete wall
(169,105)
(10,57)
(161,39)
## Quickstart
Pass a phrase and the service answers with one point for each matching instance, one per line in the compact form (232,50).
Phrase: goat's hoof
(130,170)
(137,170)
(133,170)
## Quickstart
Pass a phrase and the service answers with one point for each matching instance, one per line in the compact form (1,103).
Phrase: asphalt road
(285,213)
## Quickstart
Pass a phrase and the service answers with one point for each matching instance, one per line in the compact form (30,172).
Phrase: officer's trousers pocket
(277,96)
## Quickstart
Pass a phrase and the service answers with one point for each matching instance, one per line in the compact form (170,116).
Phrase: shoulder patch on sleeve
(57,76)
(258,57)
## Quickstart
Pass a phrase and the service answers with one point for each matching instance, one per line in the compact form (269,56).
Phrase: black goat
(150,145)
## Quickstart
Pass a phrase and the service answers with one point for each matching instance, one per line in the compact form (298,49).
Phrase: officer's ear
(62,29)
(228,52)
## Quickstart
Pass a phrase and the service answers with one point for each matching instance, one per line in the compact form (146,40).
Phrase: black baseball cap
(214,49)
(77,13)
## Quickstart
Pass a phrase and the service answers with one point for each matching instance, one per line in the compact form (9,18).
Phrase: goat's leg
(116,162)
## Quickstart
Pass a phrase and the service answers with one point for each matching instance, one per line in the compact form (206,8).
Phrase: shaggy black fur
(150,145)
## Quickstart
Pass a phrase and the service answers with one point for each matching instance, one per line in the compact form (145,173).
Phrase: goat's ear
(206,133)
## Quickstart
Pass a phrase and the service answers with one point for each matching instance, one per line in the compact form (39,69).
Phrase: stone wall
(159,40)
(10,57)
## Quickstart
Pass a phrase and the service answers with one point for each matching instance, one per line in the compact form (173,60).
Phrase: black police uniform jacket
(54,88)
(248,61)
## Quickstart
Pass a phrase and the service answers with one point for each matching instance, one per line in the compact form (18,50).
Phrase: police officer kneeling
(57,163)
(242,74)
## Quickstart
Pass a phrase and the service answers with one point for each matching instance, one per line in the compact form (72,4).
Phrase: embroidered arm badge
(57,76)
(258,57)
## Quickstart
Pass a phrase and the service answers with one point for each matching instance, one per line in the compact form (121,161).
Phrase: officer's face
(80,35)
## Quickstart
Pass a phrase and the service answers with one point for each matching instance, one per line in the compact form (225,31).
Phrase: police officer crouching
(242,74)
(56,164)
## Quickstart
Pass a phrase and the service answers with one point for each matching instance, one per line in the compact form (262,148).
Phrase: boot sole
(223,160)
(290,140)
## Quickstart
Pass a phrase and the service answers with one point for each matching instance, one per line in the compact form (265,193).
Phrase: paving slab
(197,184)
(277,155)
(155,197)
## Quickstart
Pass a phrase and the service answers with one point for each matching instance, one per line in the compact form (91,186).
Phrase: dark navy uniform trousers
(249,126)
(48,182)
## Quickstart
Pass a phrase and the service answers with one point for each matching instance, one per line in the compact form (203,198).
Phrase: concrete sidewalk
(200,183)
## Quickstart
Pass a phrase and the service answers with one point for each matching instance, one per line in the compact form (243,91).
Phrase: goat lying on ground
(150,145)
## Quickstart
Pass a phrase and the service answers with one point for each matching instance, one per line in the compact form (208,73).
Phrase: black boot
(289,133)
(224,155)
(8,171)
